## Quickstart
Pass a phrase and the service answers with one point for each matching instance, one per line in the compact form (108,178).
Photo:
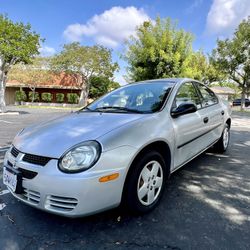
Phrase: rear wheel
(222,144)
(145,183)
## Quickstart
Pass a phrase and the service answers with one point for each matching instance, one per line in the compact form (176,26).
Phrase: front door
(188,128)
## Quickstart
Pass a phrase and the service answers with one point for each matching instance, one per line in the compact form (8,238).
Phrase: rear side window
(207,96)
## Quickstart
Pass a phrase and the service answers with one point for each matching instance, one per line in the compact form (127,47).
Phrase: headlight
(80,157)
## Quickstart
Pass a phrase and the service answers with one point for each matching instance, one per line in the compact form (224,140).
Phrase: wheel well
(161,147)
(229,122)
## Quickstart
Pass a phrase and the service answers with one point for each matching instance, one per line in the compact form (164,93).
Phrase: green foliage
(18,43)
(59,97)
(161,50)
(72,98)
(232,56)
(47,97)
(20,96)
(34,96)
(101,85)
(83,62)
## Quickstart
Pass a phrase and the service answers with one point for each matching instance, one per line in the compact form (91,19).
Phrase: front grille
(14,151)
(59,203)
(31,196)
(33,159)
(36,159)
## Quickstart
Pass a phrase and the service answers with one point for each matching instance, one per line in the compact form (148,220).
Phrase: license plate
(9,179)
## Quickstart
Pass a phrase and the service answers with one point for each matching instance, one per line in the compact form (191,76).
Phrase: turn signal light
(110,177)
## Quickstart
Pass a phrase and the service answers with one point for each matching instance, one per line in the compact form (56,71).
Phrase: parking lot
(206,204)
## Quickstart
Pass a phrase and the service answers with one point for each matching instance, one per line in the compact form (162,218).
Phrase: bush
(60,97)
(20,96)
(47,97)
(36,96)
(72,98)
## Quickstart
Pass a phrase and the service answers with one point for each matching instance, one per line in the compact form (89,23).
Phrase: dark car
(237,102)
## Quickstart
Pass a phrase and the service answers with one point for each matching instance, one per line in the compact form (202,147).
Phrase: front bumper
(73,195)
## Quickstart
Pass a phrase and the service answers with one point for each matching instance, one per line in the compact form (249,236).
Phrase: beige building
(225,93)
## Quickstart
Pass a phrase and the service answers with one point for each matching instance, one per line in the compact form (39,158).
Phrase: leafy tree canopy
(100,85)
(232,57)
(84,62)
(18,43)
(161,50)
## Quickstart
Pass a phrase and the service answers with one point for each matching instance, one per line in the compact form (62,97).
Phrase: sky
(109,22)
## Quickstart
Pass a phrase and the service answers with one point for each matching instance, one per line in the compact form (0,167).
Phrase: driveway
(206,206)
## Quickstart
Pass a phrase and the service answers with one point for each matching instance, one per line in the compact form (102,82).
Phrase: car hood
(54,137)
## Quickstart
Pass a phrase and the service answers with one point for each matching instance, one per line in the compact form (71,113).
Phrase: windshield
(138,98)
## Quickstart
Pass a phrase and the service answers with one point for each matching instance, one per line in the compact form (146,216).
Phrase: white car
(119,149)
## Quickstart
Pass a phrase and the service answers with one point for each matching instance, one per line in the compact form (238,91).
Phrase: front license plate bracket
(19,187)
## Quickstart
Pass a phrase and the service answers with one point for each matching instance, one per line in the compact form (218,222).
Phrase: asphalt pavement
(206,205)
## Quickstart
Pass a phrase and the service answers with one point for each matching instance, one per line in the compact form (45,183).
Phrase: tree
(32,74)
(161,50)
(200,68)
(17,44)
(83,62)
(100,85)
(232,56)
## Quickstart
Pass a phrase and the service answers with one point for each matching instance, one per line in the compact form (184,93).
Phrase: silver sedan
(120,149)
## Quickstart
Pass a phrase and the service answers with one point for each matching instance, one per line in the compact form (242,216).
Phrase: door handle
(205,120)
(222,112)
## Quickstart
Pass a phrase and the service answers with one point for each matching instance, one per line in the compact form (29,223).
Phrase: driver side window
(187,94)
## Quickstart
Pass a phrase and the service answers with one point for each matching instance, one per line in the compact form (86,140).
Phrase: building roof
(223,90)
(60,81)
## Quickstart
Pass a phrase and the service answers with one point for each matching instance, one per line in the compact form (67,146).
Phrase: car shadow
(205,206)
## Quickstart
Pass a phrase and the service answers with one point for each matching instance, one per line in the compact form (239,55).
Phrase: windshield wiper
(83,109)
(118,108)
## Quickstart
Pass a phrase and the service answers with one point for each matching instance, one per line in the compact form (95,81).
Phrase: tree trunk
(33,89)
(242,105)
(2,90)
(83,100)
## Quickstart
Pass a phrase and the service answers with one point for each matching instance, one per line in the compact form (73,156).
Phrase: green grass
(46,107)
(244,112)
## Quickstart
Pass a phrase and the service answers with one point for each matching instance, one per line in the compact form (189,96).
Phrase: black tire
(130,198)
(220,146)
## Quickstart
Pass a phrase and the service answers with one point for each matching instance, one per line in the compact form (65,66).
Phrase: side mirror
(182,109)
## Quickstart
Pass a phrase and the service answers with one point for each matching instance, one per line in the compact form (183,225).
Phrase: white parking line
(5,121)
(2,206)
(4,149)
(4,192)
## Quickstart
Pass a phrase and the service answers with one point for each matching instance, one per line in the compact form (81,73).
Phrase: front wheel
(222,144)
(146,183)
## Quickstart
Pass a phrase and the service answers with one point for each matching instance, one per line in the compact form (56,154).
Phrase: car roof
(174,81)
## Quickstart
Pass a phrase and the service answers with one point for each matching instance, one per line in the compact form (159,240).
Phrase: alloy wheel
(150,183)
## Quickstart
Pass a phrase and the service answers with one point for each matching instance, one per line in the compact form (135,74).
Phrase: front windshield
(140,98)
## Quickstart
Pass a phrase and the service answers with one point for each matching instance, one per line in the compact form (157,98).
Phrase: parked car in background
(120,149)
(237,102)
